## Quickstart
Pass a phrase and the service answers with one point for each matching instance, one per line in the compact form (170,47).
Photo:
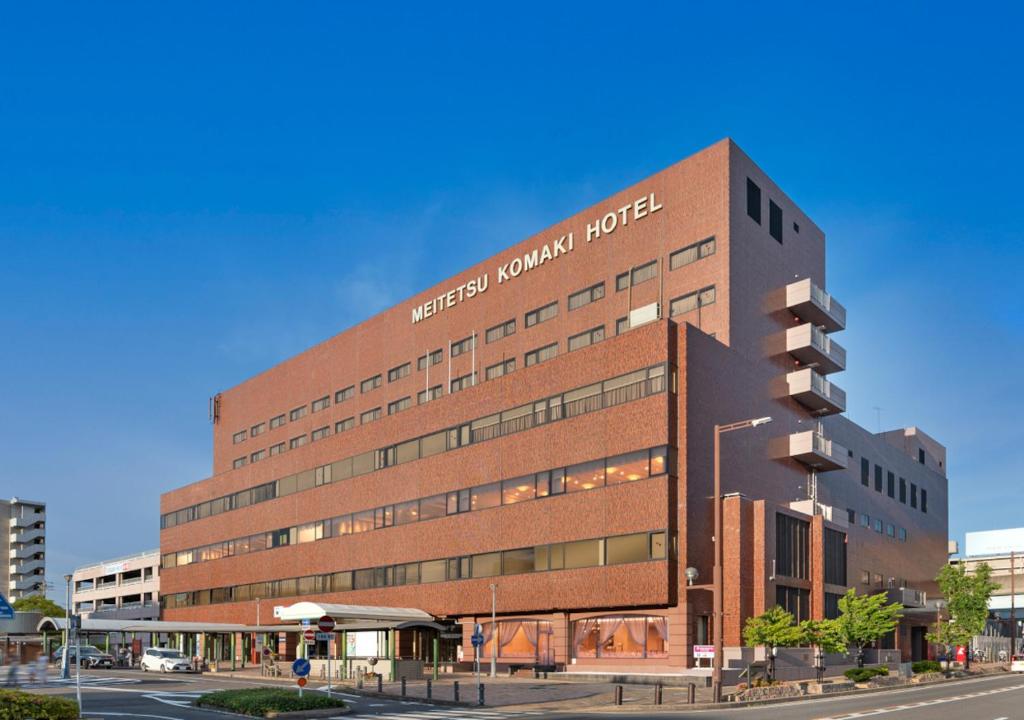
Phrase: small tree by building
(865,619)
(825,637)
(967,597)
(773,629)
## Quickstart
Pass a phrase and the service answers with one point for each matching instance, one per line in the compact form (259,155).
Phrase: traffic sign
(301,667)
(326,624)
(323,637)
(478,639)
(309,635)
(6,611)
(301,681)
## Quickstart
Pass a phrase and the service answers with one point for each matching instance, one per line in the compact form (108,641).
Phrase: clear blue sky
(190,193)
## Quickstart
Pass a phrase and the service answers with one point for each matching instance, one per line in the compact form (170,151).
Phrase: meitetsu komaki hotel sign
(632,212)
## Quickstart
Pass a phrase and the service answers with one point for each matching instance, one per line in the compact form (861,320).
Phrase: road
(115,695)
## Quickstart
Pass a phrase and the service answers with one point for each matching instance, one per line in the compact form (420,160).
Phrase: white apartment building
(125,588)
(24,546)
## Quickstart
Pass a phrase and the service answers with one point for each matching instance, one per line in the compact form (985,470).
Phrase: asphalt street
(113,695)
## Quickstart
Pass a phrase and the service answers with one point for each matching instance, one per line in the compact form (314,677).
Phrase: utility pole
(1013,603)
(494,630)
(65,672)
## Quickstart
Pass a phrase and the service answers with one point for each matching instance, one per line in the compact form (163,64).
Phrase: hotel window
(277,449)
(369,416)
(629,467)
(878,478)
(540,355)
(399,405)
(458,502)
(913,495)
(890,484)
(257,429)
(399,372)
(851,516)
(924,500)
(370,384)
(865,520)
(321,433)
(343,425)
(835,557)
(585,297)
(832,605)
(297,413)
(775,221)
(499,369)
(462,346)
(433,393)
(903,535)
(345,394)
(865,577)
(637,275)
(878,580)
(322,403)
(621,325)
(501,330)
(692,301)
(238,437)
(594,335)
(542,314)
(878,525)
(297,442)
(584,476)
(865,472)
(461,383)
(753,201)
(435,358)
(796,601)
(792,546)
(276,422)
(257,456)
(691,254)
(485,496)
(920,456)
(890,530)
(240,462)
(903,491)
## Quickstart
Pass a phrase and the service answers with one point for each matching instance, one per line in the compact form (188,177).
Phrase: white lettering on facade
(606,225)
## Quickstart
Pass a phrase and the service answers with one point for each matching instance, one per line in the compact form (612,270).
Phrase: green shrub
(16,705)
(860,675)
(923,666)
(260,701)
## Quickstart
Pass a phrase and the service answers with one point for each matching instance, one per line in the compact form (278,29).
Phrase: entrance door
(918,643)
(545,655)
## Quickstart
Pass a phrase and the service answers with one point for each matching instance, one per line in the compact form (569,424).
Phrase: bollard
(480,699)
(691,693)
(430,688)
(657,694)
(359,681)
(380,683)
(618,694)
(455,691)
(403,686)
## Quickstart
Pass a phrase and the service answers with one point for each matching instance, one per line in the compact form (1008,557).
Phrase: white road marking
(923,703)
(120,714)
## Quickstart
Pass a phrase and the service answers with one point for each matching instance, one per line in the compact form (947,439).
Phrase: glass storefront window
(621,636)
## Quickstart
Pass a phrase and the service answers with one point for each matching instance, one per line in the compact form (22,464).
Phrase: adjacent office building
(1003,552)
(125,588)
(24,546)
(543,423)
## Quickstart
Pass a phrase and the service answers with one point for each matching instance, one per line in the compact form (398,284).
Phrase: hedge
(860,675)
(260,701)
(923,666)
(16,705)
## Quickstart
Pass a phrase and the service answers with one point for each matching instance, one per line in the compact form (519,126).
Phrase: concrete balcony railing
(26,520)
(814,392)
(907,597)
(27,535)
(27,568)
(811,346)
(816,451)
(809,302)
(20,552)
(26,583)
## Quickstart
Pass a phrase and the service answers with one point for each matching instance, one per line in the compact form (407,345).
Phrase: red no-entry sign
(309,635)
(326,624)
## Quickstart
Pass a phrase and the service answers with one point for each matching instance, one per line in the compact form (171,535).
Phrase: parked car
(164,660)
(92,657)
(1017,663)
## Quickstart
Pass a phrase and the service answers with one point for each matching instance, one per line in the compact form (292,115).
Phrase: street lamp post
(64,671)
(494,630)
(718,586)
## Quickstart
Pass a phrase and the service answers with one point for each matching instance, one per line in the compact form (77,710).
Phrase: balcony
(27,567)
(814,392)
(28,535)
(907,597)
(811,346)
(816,451)
(809,302)
(27,583)
(27,519)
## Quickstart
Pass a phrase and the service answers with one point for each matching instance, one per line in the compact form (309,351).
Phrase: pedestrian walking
(12,673)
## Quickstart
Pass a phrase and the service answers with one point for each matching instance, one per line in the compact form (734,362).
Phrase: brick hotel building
(544,422)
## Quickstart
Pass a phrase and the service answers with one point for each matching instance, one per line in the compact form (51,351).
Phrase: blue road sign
(478,639)
(301,667)
(6,611)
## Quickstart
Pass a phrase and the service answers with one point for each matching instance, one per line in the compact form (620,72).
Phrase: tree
(40,604)
(774,628)
(967,598)
(863,619)
(826,637)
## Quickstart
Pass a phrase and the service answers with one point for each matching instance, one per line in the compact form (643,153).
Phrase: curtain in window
(530,630)
(637,629)
(488,629)
(507,630)
(608,628)
(581,628)
(660,626)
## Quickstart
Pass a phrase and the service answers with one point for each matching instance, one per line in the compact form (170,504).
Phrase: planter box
(771,692)
(826,688)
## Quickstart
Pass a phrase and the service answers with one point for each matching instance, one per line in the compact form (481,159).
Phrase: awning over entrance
(348,615)
(56,624)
